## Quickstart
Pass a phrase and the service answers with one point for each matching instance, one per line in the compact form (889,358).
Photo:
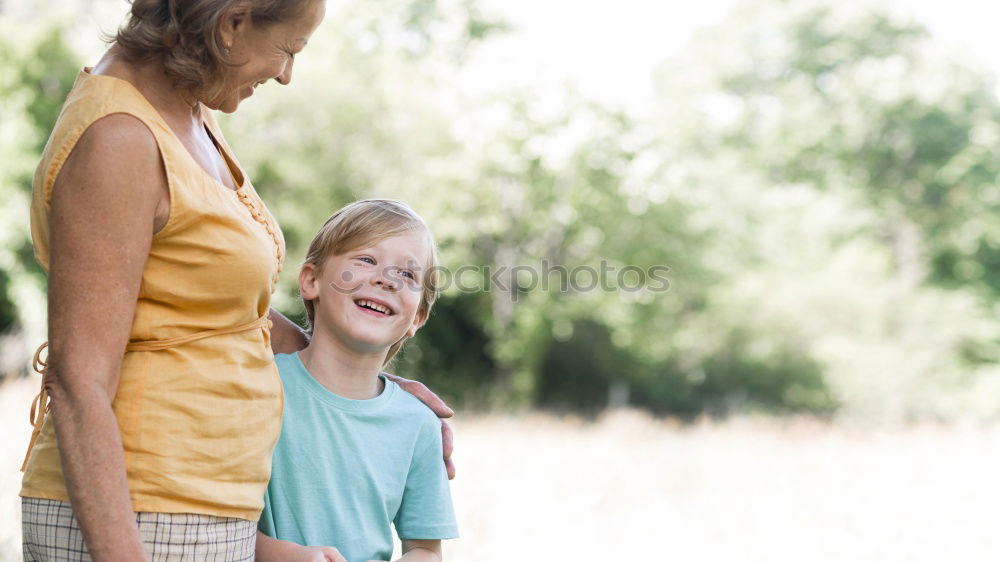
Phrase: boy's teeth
(374,306)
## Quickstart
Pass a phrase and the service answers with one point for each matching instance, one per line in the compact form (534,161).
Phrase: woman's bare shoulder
(117,153)
(119,135)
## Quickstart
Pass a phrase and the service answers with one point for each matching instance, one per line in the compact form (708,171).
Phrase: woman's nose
(285,77)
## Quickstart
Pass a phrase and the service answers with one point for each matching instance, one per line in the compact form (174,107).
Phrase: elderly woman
(164,399)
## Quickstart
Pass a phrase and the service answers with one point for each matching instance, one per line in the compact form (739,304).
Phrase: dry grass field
(631,488)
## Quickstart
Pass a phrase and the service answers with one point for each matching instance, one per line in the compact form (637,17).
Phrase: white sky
(609,48)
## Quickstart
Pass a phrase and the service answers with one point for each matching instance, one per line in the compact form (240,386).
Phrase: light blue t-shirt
(343,470)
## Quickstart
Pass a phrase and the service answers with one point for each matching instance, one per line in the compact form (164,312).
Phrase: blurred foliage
(39,70)
(852,156)
(819,179)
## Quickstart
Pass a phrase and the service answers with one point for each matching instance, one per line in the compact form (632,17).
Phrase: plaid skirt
(51,533)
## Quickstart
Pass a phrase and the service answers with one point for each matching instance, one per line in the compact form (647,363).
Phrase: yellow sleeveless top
(199,401)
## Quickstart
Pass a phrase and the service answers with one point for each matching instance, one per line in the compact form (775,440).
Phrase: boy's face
(367,299)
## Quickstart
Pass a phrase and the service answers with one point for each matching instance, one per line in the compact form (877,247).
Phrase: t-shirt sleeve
(426,511)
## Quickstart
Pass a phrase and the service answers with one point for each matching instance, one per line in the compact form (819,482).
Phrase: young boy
(357,453)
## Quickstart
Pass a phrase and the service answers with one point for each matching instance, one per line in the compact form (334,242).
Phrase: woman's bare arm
(286,336)
(109,197)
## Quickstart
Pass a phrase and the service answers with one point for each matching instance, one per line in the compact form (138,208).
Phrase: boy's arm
(418,550)
(271,549)
(426,509)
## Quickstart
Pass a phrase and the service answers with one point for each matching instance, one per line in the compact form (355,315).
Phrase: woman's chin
(226,105)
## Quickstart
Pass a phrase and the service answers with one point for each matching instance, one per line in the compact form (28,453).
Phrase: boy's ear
(308,281)
(418,321)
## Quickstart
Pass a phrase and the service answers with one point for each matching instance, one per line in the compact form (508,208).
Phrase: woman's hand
(437,406)
(448,445)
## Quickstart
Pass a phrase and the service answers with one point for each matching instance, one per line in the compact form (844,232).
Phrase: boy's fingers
(448,445)
(333,555)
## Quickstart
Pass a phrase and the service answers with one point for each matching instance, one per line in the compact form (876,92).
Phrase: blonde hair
(183,36)
(362,224)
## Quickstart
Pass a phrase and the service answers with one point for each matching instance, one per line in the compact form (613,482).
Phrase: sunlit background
(820,382)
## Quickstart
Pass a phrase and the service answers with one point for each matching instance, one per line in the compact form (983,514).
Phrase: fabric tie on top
(40,405)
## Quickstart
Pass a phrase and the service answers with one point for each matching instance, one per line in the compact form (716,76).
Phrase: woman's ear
(233,23)
(309,281)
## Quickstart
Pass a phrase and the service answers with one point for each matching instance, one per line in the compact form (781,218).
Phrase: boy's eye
(408,274)
(368,260)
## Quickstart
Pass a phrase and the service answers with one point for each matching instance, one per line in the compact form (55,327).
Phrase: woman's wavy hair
(365,223)
(183,36)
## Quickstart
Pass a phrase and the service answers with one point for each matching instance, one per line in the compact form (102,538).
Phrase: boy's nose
(385,281)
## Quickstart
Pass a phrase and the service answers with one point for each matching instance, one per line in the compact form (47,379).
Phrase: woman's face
(262,52)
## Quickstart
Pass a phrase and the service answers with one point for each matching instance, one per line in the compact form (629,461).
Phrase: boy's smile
(367,299)
(374,306)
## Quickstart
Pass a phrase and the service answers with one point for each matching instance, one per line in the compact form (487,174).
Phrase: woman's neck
(178,107)
(343,371)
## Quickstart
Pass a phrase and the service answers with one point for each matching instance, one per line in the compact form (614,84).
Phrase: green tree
(849,158)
